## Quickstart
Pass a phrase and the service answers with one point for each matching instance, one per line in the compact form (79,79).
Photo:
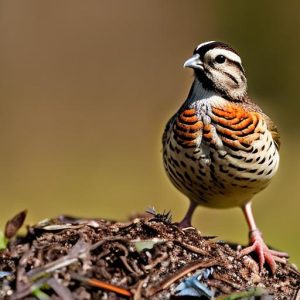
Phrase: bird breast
(220,153)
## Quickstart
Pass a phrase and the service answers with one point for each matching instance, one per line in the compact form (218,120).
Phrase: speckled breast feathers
(220,153)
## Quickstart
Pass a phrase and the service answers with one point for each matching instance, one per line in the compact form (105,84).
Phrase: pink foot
(265,255)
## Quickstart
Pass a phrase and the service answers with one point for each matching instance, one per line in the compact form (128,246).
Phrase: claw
(278,253)
(265,255)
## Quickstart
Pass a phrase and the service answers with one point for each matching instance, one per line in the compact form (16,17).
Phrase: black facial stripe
(232,78)
(238,65)
(208,84)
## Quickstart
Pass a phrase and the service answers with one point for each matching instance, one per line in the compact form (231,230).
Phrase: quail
(220,148)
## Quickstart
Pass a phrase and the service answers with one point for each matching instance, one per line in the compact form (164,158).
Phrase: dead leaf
(12,226)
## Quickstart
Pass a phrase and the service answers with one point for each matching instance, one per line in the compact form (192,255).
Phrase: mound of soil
(145,258)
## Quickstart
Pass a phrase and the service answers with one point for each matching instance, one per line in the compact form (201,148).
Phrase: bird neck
(200,91)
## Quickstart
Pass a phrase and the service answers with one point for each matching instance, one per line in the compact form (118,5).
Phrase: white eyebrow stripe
(227,53)
(203,44)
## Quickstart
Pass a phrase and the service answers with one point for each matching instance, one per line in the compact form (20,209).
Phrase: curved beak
(194,62)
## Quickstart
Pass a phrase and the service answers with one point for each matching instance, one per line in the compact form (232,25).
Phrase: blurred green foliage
(3,241)
(86,89)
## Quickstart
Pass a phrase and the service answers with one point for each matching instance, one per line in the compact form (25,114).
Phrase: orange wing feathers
(237,127)
(187,128)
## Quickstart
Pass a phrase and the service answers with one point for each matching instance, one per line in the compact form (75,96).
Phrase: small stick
(192,248)
(102,285)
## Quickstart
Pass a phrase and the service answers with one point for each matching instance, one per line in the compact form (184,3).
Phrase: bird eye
(220,59)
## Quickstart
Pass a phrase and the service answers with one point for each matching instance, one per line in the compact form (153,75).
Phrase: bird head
(219,67)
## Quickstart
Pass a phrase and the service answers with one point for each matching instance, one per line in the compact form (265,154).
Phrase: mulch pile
(148,257)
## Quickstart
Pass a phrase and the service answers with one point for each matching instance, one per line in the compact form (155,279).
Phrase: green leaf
(40,294)
(256,291)
(146,244)
(3,241)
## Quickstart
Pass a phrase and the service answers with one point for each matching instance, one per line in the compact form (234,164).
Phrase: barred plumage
(220,149)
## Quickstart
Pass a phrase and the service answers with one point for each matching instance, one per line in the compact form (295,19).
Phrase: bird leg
(187,220)
(265,255)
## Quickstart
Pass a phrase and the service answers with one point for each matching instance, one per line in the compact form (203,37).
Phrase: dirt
(145,258)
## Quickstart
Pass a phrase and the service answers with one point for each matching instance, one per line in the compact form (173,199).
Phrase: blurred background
(86,88)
